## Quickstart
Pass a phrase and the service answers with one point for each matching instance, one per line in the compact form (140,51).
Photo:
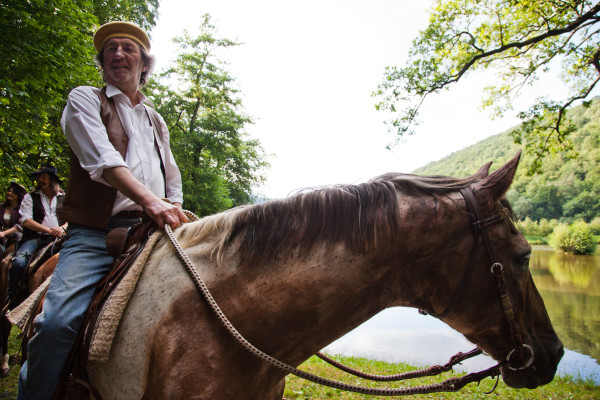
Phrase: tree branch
(590,15)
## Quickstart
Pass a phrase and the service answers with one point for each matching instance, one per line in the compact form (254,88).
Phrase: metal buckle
(526,364)
(496,264)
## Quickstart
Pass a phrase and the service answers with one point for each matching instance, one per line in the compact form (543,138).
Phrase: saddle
(49,246)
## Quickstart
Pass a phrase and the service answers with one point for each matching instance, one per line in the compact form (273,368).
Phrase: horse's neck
(300,303)
(304,303)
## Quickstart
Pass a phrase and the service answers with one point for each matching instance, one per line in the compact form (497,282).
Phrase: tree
(219,164)
(517,39)
(47,50)
(141,12)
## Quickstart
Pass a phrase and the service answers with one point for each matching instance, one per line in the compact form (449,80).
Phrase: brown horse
(34,281)
(293,275)
(43,272)
(5,325)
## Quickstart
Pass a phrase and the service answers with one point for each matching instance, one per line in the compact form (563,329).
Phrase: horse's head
(498,306)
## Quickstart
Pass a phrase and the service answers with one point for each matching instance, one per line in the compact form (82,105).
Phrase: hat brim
(33,174)
(18,187)
(121,29)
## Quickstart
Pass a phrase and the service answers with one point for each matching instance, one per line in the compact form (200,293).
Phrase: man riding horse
(121,167)
(41,224)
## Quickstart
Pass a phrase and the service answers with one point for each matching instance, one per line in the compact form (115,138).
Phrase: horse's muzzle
(537,368)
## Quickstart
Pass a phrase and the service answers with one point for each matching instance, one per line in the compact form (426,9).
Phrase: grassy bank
(296,388)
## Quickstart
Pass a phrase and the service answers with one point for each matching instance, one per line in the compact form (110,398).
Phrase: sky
(306,71)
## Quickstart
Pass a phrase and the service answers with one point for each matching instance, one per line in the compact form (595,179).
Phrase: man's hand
(165,213)
(160,211)
(57,232)
(37,227)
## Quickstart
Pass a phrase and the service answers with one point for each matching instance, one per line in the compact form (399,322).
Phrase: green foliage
(47,50)
(530,227)
(204,115)
(576,238)
(517,40)
(565,189)
(595,226)
(140,12)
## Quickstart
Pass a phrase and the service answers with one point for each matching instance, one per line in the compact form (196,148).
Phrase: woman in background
(10,230)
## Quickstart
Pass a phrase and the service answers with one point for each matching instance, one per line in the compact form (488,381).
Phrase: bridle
(515,359)
(521,356)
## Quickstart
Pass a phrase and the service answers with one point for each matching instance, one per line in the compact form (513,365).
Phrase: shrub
(546,227)
(576,238)
(528,227)
(595,226)
(533,228)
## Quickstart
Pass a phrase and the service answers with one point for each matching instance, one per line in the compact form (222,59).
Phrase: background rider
(40,222)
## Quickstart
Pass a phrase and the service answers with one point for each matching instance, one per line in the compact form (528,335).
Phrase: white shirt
(26,209)
(87,136)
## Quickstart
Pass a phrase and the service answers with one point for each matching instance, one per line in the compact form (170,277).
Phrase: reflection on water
(570,286)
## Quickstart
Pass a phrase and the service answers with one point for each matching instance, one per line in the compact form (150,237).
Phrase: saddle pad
(112,310)
(21,314)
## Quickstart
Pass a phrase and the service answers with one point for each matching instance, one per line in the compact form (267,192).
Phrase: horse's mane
(358,216)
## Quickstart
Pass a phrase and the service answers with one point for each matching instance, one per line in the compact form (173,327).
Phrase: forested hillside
(566,189)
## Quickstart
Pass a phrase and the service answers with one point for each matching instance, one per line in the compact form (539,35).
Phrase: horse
(43,272)
(5,325)
(34,280)
(294,274)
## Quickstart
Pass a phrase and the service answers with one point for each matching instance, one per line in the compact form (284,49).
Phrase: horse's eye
(524,261)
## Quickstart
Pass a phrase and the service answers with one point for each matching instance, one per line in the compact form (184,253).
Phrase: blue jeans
(83,262)
(19,263)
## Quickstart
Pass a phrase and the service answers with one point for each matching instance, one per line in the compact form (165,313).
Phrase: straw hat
(121,29)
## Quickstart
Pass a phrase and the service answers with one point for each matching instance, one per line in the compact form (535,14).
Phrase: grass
(8,385)
(562,387)
(536,239)
(297,388)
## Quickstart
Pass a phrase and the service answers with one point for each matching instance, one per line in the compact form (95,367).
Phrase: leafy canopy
(518,40)
(198,99)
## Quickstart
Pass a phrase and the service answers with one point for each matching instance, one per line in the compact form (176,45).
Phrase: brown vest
(88,202)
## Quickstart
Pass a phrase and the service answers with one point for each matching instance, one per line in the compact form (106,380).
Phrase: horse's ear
(484,171)
(497,184)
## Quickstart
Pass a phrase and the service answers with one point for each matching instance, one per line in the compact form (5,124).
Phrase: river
(569,285)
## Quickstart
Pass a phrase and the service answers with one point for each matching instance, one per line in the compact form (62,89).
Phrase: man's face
(123,63)
(43,180)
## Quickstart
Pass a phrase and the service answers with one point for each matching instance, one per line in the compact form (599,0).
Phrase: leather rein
(516,359)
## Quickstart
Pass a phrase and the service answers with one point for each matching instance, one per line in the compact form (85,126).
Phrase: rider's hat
(48,168)
(17,189)
(121,29)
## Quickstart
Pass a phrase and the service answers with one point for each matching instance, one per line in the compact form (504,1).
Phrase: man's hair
(147,59)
